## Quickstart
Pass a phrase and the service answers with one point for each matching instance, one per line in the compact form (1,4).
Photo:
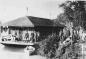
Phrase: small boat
(29,50)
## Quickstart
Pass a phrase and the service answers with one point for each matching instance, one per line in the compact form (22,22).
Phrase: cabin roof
(29,21)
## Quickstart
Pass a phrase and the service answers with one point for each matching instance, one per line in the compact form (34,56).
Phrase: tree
(74,11)
(64,45)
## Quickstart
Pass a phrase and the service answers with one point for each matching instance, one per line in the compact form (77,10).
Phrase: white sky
(12,9)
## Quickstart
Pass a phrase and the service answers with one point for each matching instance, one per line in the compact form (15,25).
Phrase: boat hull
(19,45)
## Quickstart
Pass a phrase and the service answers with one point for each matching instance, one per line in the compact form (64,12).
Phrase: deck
(16,44)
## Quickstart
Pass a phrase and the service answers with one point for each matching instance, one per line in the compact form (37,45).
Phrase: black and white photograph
(42,29)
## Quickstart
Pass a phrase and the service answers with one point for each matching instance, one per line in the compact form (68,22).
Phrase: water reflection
(15,53)
(13,49)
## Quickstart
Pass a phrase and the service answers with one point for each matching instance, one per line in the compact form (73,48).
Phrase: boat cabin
(27,29)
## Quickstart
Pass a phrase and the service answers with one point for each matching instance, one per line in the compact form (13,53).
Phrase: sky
(12,9)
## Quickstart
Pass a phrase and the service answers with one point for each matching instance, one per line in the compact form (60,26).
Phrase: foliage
(48,46)
(74,11)
(54,47)
(51,48)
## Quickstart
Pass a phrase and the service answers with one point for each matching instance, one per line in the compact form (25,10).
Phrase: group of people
(31,36)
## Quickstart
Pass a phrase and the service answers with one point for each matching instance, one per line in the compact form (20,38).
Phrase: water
(15,53)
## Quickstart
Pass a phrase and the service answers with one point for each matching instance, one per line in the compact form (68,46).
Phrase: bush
(49,48)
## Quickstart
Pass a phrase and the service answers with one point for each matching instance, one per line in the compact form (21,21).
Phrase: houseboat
(26,31)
